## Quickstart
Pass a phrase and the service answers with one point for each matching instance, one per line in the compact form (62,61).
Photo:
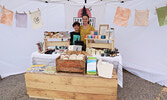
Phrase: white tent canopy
(143,48)
(82,1)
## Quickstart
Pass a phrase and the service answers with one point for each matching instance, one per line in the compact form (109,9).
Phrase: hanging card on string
(21,20)
(36,19)
(6,17)
(122,16)
(141,18)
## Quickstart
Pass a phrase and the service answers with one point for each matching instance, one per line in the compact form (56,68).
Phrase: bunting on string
(21,20)
(36,19)
(162,15)
(122,16)
(141,17)
(6,17)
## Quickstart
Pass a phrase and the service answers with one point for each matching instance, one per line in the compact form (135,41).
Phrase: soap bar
(66,57)
(62,56)
(79,58)
(72,48)
(73,57)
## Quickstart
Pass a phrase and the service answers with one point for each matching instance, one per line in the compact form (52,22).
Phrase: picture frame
(103,28)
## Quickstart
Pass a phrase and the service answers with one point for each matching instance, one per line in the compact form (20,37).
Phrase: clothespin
(29,11)
(16,12)
(3,6)
(38,9)
(156,7)
(24,12)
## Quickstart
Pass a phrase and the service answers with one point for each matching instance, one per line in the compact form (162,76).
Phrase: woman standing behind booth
(85,28)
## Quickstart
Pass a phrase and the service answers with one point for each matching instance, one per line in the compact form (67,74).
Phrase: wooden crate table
(55,43)
(67,86)
(90,44)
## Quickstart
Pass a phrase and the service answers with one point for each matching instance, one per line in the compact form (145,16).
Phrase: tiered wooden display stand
(90,44)
(55,43)
(65,86)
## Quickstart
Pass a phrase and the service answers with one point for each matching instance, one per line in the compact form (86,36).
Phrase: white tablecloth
(46,59)
(50,60)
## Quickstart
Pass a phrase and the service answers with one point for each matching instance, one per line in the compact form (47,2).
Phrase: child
(75,35)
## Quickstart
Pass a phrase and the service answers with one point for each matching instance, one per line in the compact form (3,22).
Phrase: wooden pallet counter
(67,86)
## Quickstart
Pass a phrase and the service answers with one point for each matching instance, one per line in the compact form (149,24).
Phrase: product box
(91,65)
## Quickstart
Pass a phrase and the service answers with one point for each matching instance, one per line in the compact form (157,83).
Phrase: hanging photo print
(36,19)
(141,17)
(0,11)
(21,20)
(122,16)
(162,15)
(6,17)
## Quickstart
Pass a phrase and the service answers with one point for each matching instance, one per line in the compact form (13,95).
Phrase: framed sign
(103,28)
(92,20)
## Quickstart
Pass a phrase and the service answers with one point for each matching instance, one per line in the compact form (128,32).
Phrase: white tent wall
(17,44)
(143,48)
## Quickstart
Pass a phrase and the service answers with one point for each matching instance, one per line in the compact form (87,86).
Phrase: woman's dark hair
(84,13)
(87,16)
(76,23)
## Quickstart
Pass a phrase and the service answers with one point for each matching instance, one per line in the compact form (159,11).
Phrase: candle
(89,36)
(93,36)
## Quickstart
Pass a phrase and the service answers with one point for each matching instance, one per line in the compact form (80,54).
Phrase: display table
(64,86)
(46,59)
(50,60)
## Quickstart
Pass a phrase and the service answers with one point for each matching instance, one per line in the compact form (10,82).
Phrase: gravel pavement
(135,88)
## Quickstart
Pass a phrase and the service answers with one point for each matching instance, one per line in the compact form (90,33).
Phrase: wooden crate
(65,86)
(90,44)
(72,66)
(55,43)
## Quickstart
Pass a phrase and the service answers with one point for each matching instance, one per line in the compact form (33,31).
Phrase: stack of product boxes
(91,65)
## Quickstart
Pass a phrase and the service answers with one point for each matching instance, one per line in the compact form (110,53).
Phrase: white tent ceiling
(82,1)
